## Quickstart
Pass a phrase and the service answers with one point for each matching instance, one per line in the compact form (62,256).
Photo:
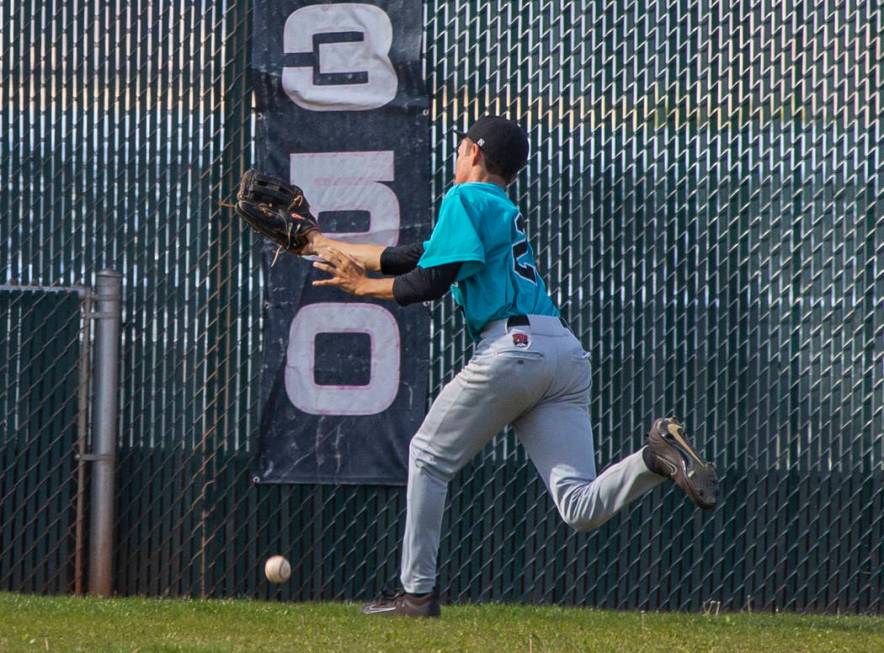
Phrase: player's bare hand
(346,272)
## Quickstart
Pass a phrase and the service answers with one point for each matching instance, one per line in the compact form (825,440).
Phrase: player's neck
(479,174)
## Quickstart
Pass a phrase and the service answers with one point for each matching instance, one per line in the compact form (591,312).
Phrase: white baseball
(277,569)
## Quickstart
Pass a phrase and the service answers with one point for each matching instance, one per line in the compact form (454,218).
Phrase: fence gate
(41,357)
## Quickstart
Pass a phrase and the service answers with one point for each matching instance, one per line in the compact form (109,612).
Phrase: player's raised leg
(559,442)
(558,438)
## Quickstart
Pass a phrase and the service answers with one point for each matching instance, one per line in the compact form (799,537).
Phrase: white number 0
(383,385)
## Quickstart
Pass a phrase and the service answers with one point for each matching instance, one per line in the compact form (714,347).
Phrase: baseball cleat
(405,604)
(669,454)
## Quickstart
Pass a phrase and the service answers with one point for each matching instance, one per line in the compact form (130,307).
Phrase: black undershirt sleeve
(424,284)
(401,259)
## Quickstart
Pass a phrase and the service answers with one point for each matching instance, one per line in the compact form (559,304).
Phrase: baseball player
(527,368)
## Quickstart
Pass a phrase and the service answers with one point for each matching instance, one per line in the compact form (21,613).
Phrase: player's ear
(476,154)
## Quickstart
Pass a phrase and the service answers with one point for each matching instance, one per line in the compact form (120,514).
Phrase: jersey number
(520,248)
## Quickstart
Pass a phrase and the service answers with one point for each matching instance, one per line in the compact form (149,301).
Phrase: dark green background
(705,197)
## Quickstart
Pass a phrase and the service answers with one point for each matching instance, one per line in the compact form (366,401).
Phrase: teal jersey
(478,226)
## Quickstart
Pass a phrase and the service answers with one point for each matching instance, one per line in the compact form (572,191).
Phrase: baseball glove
(276,210)
(264,189)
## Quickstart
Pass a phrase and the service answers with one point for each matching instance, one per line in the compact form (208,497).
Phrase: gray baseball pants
(536,378)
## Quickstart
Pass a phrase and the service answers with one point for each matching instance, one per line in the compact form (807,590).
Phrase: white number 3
(338,57)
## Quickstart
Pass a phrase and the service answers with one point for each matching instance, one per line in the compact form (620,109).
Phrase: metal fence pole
(108,305)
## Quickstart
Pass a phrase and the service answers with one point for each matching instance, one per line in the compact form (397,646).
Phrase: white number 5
(349,181)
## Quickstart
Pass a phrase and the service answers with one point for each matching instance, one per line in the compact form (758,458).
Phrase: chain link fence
(705,196)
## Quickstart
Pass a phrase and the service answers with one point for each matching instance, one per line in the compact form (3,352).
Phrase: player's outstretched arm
(418,285)
(348,273)
(369,256)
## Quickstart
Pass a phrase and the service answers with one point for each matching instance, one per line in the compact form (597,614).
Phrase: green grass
(37,623)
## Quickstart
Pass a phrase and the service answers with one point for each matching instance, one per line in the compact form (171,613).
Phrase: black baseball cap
(502,140)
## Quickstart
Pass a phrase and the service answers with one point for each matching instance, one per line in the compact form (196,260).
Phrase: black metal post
(107,315)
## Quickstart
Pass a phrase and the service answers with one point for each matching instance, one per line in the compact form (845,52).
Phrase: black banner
(342,112)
